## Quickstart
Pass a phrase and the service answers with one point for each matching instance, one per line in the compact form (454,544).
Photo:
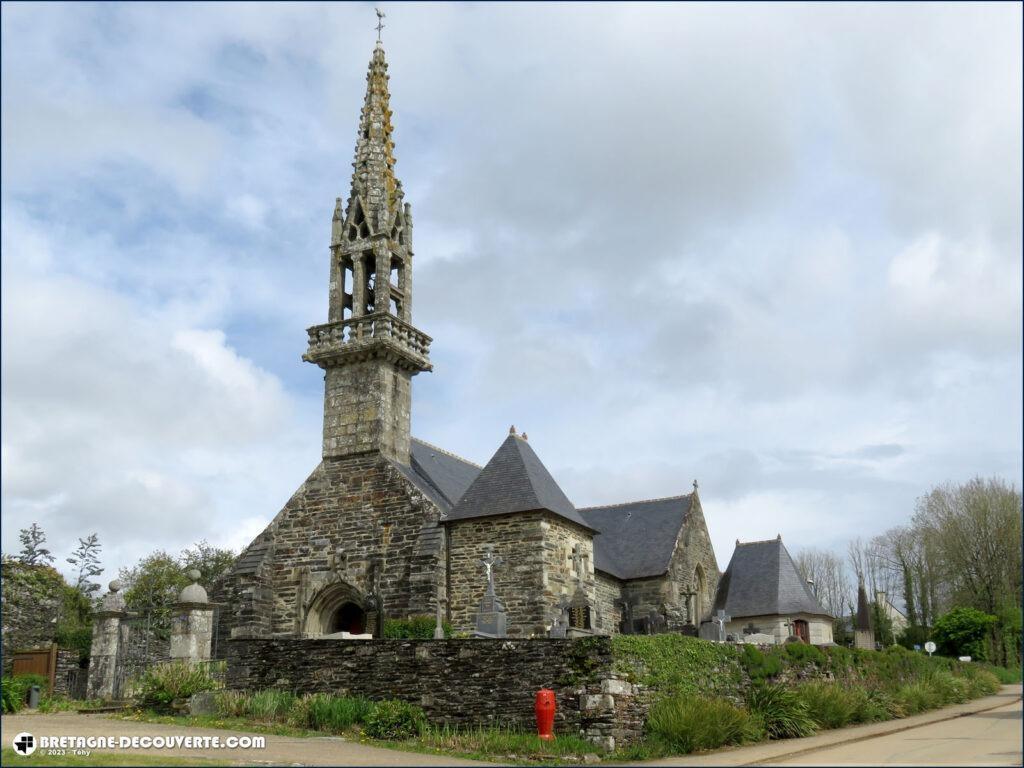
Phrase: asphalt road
(985,738)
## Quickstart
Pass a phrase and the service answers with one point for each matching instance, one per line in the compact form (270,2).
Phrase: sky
(773,248)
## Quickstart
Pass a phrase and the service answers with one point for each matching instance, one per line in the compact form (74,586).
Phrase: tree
(831,585)
(152,587)
(87,559)
(32,550)
(211,562)
(973,536)
(963,632)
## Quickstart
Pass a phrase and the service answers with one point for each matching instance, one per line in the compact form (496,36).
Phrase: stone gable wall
(352,518)
(519,540)
(559,573)
(457,682)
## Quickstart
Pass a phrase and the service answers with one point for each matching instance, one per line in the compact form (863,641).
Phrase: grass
(830,705)
(506,745)
(686,724)
(783,713)
(222,722)
(9,757)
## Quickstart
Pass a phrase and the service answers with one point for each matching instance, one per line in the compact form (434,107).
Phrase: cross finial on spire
(380,22)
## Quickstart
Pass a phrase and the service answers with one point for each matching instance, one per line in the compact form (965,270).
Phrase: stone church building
(387,525)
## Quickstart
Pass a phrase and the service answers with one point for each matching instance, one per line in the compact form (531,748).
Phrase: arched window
(701,601)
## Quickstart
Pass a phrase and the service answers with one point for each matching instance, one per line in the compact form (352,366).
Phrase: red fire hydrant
(544,708)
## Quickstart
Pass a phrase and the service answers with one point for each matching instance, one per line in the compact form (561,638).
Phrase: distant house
(763,593)
(896,617)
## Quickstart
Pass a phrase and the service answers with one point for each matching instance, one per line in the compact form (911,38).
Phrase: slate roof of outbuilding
(637,539)
(514,480)
(762,580)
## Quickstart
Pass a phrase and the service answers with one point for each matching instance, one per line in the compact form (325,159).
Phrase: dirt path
(279,750)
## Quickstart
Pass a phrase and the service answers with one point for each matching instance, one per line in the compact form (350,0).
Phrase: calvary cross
(720,619)
(489,562)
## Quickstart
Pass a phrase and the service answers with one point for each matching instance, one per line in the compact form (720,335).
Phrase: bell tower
(368,348)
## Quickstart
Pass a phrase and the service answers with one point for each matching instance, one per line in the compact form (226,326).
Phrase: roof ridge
(447,453)
(759,541)
(638,501)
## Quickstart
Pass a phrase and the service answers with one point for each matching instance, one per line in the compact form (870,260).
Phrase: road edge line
(865,737)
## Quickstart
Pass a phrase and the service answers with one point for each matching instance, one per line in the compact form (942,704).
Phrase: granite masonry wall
(519,541)
(608,593)
(367,408)
(355,527)
(560,576)
(457,682)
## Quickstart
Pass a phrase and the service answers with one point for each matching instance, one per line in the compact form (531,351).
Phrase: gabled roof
(514,480)
(446,474)
(762,580)
(637,539)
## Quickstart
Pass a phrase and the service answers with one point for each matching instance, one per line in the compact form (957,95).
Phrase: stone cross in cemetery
(490,616)
(561,626)
(721,619)
(579,562)
(626,622)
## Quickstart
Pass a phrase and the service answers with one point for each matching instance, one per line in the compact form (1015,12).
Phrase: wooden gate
(42,661)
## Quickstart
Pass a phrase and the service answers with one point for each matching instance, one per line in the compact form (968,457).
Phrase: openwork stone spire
(369,347)
(375,199)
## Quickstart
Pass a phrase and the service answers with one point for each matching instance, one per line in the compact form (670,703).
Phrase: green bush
(982,683)
(760,666)
(963,632)
(392,720)
(917,697)
(947,688)
(162,684)
(830,705)
(689,724)
(783,713)
(415,628)
(912,636)
(14,690)
(801,653)
(675,664)
(1005,675)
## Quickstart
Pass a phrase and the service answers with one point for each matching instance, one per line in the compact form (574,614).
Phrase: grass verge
(9,757)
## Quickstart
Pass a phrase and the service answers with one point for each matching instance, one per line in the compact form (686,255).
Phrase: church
(388,525)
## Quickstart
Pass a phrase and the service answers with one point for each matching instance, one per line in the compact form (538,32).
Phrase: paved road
(986,738)
(280,750)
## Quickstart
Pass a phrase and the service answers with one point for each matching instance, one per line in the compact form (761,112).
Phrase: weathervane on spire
(380,22)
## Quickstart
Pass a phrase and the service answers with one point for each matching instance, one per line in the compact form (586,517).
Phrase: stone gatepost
(106,643)
(192,624)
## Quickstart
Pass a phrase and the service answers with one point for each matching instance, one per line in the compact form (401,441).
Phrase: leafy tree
(913,635)
(963,632)
(152,586)
(87,559)
(32,550)
(211,562)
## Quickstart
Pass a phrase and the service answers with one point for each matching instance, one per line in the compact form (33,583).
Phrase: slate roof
(514,480)
(762,580)
(442,476)
(637,539)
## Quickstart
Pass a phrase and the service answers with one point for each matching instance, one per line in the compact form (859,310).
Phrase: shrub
(876,705)
(689,724)
(802,653)
(14,690)
(784,714)
(1005,675)
(392,720)
(162,684)
(982,683)
(916,697)
(963,632)
(415,628)
(830,705)
(912,636)
(947,688)
(760,666)
(675,664)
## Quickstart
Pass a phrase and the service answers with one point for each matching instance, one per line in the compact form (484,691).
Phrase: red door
(802,630)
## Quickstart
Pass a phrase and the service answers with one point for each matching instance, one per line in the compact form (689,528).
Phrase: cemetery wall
(457,682)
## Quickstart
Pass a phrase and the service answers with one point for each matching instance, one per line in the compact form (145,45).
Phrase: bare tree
(831,584)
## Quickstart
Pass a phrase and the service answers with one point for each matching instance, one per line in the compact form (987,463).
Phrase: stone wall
(457,682)
(560,577)
(367,408)
(519,540)
(608,591)
(356,522)
(30,599)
